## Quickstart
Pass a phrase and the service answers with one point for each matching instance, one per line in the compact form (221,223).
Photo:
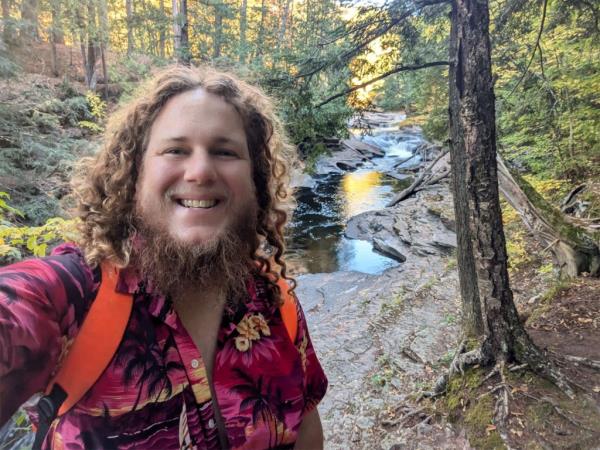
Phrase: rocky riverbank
(380,337)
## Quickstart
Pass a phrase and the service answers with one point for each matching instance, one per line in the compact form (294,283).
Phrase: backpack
(97,341)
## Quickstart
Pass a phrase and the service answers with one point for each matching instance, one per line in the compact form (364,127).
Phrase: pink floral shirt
(155,393)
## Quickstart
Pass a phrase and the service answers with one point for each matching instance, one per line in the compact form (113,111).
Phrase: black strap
(47,408)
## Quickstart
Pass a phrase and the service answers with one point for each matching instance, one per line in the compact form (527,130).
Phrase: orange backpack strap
(92,350)
(288,310)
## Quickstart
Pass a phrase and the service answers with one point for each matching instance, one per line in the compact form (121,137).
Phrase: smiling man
(185,203)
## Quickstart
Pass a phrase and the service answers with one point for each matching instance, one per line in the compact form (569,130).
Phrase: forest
(497,104)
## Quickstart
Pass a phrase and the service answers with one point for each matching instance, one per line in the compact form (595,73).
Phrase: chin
(197,239)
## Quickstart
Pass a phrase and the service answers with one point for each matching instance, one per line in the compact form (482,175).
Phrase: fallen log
(575,248)
(425,178)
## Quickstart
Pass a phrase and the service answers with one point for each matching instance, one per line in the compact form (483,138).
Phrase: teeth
(198,203)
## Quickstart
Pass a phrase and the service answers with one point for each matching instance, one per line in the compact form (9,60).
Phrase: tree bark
(92,43)
(185,38)
(180,32)
(473,136)
(467,275)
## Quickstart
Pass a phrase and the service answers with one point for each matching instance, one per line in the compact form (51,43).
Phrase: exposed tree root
(531,357)
(591,363)
(402,420)
(501,409)
(558,410)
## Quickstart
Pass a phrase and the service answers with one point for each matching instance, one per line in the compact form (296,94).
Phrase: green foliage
(38,150)
(17,242)
(8,68)
(551,124)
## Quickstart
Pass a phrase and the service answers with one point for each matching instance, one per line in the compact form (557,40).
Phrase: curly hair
(104,186)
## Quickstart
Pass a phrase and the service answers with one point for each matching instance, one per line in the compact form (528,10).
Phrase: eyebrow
(219,140)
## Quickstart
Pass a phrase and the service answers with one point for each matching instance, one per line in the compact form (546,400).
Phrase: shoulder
(61,278)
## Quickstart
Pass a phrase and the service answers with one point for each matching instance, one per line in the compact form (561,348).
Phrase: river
(315,236)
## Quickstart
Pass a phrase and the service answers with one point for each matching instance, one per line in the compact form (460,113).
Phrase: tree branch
(377,33)
(535,47)
(381,77)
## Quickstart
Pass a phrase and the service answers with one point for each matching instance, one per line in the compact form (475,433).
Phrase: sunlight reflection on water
(315,236)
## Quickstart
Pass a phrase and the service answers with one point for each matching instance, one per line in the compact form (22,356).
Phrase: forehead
(198,114)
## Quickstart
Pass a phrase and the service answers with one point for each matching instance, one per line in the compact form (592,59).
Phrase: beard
(173,267)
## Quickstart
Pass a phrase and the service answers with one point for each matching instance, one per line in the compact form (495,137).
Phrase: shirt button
(211,424)
(195,363)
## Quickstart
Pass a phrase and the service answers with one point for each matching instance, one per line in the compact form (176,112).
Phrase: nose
(200,168)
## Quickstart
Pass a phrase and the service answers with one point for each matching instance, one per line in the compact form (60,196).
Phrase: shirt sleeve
(42,303)
(315,381)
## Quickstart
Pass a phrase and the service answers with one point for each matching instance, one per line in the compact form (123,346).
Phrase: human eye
(175,151)
(226,152)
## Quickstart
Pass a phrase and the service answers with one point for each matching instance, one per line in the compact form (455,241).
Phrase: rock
(388,249)
(365,423)
(368,150)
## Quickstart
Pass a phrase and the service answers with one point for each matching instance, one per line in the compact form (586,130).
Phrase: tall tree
(473,135)
(7,23)
(129,22)
(283,23)
(180,32)
(29,14)
(87,29)
(471,307)
(243,25)
(260,42)
(162,32)
(56,34)
(218,29)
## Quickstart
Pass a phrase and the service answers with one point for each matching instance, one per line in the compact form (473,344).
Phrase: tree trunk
(180,32)
(29,14)
(58,34)
(185,39)
(54,33)
(261,29)
(129,21)
(162,35)
(575,249)
(283,23)
(467,275)
(243,24)
(217,36)
(92,47)
(473,136)
(176,29)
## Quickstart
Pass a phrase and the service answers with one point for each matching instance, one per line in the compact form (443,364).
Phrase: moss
(463,406)
(477,419)
(568,232)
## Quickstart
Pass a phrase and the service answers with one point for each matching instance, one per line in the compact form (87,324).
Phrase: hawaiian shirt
(154,394)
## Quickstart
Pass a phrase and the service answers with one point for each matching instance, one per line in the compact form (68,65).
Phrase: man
(186,199)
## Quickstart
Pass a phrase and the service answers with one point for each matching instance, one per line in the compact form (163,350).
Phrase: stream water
(315,236)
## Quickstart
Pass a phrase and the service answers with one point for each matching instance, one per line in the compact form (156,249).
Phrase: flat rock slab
(350,155)
(420,225)
(377,337)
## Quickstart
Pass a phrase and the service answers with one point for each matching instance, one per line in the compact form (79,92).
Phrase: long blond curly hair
(104,186)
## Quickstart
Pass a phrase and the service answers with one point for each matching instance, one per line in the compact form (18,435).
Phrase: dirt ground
(563,318)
